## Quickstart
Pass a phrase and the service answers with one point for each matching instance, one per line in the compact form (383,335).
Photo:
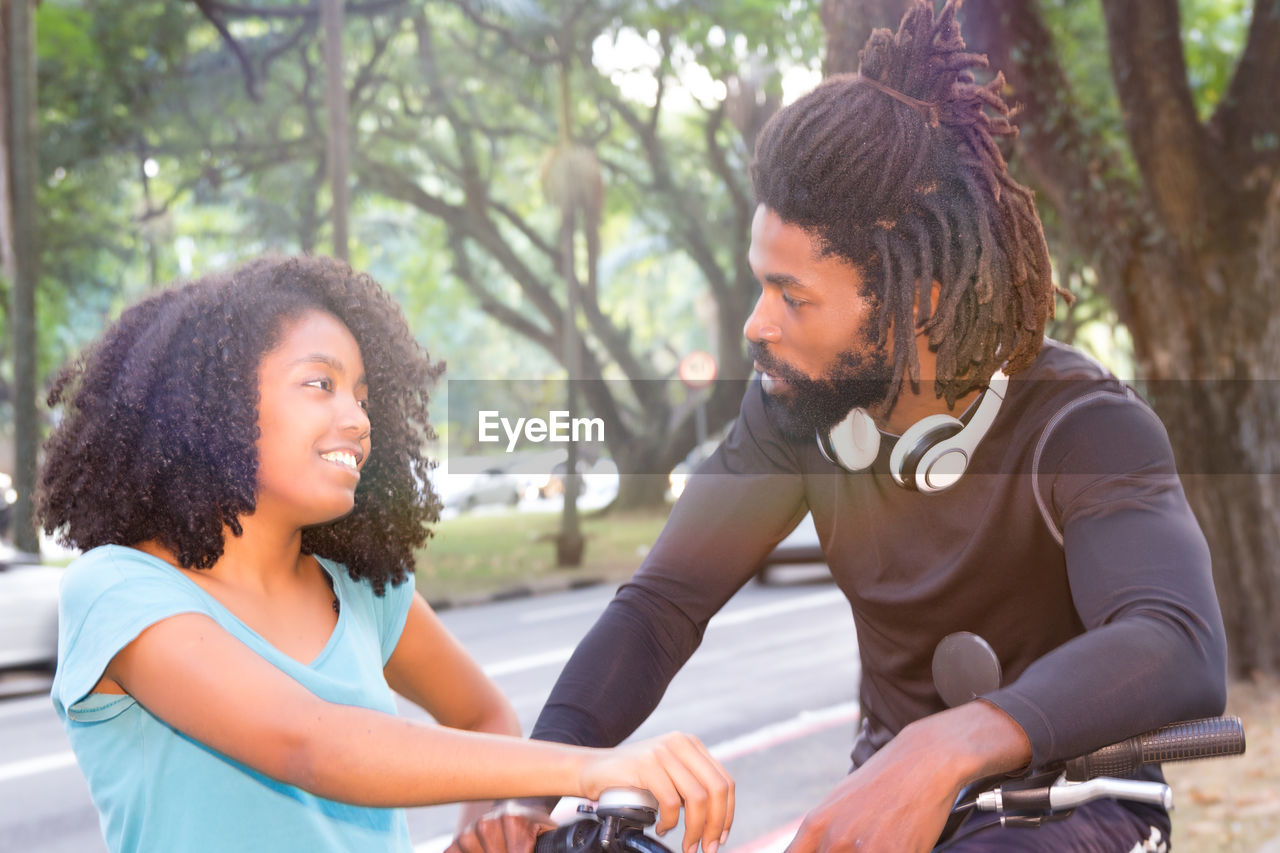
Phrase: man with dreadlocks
(898,335)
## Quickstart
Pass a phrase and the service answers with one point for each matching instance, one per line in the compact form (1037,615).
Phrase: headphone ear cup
(853,444)
(915,443)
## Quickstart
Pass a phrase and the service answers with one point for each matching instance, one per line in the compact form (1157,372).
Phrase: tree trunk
(849,24)
(22,317)
(640,492)
(8,261)
(336,103)
(1224,421)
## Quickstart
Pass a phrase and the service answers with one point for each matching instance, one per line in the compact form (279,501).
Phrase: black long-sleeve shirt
(1068,545)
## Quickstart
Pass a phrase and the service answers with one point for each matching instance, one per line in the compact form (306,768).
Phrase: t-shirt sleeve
(1154,649)
(391,611)
(105,602)
(744,499)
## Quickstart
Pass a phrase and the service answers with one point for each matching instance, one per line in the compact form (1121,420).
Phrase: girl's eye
(324,384)
(364,404)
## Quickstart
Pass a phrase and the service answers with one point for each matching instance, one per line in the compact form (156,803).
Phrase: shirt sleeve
(392,611)
(105,602)
(738,504)
(1154,649)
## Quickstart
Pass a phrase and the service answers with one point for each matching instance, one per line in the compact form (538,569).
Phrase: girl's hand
(677,770)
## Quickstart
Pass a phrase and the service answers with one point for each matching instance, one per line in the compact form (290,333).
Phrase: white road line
(39,764)
(751,614)
(520,664)
(802,724)
(26,705)
(774,841)
(433,845)
(554,657)
(548,614)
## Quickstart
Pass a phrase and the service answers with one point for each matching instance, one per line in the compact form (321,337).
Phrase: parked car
(464,492)
(28,610)
(800,546)
(7,498)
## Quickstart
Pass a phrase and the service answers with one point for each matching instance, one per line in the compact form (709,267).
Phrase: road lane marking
(26,705)
(520,664)
(433,845)
(774,841)
(548,614)
(553,657)
(801,725)
(762,611)
(39,764)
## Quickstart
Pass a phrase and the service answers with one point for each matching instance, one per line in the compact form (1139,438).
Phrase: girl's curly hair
(896,170)
(159,428)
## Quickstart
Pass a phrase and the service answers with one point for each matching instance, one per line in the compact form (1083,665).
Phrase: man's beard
(856,379)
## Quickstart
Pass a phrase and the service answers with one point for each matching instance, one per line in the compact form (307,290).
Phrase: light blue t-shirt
(158,790)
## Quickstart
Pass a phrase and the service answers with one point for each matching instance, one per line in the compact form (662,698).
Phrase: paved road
(771,691)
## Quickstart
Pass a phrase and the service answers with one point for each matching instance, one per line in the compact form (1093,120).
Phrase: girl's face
(312,421)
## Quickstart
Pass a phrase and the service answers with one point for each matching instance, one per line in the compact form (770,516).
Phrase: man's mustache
(775,368)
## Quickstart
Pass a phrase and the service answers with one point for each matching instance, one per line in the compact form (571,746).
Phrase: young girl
(241,461)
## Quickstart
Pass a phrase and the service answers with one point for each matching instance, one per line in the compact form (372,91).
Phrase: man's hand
(507,828)
(899,800)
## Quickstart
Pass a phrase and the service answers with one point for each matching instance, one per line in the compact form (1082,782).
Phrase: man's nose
(760,326)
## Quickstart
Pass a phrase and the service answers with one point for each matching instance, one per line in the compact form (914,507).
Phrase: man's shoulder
(1062,362)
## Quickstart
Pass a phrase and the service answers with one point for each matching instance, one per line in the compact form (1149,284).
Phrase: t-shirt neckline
(205,595)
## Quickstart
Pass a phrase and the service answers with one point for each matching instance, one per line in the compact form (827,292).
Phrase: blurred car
(463,492)
(800,545)
(8,496)
(28,610)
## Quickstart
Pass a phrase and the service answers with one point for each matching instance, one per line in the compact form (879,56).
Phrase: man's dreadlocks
(896,170)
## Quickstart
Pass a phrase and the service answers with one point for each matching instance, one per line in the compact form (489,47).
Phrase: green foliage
(1213,36)
(158,163)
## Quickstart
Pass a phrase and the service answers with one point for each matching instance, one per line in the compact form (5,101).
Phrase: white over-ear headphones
(930,456)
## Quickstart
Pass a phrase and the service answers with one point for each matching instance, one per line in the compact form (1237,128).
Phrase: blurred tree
(22,255)
(1164,180)
(453,107)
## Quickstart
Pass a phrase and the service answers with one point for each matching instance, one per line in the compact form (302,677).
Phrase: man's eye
(794,303)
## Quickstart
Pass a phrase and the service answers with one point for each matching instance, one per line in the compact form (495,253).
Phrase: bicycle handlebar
(1208,738)
(622,814)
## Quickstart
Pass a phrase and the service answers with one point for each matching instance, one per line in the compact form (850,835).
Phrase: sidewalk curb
(543,586)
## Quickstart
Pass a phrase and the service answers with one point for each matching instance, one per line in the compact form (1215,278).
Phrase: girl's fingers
(710,812)
(695,801)
(655,779)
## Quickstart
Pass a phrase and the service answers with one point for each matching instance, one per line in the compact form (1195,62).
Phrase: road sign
(697,369)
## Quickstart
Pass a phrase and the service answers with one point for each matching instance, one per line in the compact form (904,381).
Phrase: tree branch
(688,215)
(311,10)
(1069,165)
(848,25)
(391,183)
(1168,141)
(1246,120)
(206,8)
(519,45)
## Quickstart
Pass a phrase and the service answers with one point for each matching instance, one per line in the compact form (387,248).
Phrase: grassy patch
(473,554)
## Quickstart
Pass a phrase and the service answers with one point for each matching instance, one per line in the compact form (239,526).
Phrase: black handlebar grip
(1211,737)
(576,837)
